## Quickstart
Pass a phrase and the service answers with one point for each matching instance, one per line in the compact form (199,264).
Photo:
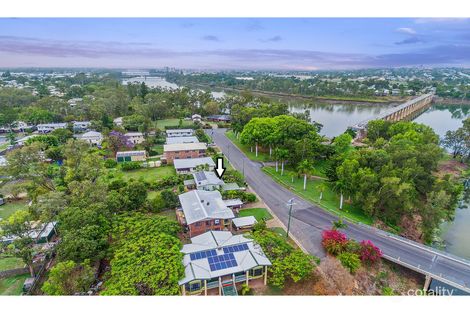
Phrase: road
(309,221)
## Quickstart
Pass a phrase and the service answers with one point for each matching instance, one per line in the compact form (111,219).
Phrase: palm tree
(321,188)
(340,186)
(281,155)
(304,168)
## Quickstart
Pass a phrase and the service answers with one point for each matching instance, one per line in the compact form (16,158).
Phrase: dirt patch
(452,167)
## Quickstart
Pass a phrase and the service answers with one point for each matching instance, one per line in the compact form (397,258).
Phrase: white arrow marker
(220,169)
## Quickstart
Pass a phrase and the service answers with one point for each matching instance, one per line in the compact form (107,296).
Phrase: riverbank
(450,101)
(321,99)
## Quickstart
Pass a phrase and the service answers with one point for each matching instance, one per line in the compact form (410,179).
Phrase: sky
(234,44)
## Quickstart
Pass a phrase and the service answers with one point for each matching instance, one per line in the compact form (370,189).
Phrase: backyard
(172,122)
(12,286)
(9,263)
(148,174)
(330,200)
(10,207)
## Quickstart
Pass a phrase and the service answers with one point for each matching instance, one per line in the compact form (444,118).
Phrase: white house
(179,132)
(94,138)
(184,166)
(135,137)
(47,128)
(223,261)
(188,139)
(81,126)
(196,118)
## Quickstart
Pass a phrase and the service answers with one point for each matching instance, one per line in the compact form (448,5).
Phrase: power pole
(290,203)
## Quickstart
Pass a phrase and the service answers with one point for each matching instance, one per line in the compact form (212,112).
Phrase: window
(208,223)
(193,286)
(257,271)
(216,222)
(197,224)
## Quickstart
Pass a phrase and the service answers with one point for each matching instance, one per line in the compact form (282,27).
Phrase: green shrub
(129,166)
(110,163)
(353,247)
(350,261)
(387,291)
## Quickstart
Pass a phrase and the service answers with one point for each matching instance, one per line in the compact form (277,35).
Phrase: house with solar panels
(203,211)
(219,262)
(206,180)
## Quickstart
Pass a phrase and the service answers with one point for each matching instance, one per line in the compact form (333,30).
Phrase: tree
(68,278)
(211,108)
(27,163)
(62,135)
(304,168)
(117,141)
(48,206)
(281,154)
(19,225)
(11,136)
(169,198)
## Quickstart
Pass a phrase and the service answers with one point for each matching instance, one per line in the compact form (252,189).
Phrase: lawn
(172,122)
(330,199)
(149,174)
(158,149)
(12,286)
(168,213)
(279,230)
(10,207)
(258,213)
(10,263)
(262,156)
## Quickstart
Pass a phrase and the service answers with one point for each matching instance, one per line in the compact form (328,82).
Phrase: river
(335,119)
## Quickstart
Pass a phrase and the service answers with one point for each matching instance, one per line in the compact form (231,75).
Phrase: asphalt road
(309,220)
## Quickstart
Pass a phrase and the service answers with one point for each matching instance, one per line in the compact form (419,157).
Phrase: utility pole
(290,203)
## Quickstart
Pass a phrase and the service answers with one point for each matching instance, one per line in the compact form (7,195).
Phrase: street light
(290,203)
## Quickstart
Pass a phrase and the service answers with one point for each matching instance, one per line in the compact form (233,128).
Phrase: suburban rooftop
(200,256)
(200,205)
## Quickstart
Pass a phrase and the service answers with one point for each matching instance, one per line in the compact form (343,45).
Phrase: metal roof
(130,153)
(182,139)
(204,178)
(244,221)
(185,146)
(175,131)
(232,202)
(192,163)
(200,205)
(243,254)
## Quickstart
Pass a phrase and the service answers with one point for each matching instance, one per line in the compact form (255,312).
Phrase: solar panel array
(202,254)
(236,248)
(220,262)
(200,176)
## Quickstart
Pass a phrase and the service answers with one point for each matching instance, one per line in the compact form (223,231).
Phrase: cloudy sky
(279,44)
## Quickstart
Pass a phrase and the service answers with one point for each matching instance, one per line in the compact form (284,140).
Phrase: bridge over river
(406,111)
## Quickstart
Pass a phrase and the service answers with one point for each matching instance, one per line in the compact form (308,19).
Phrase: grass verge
(330,200)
